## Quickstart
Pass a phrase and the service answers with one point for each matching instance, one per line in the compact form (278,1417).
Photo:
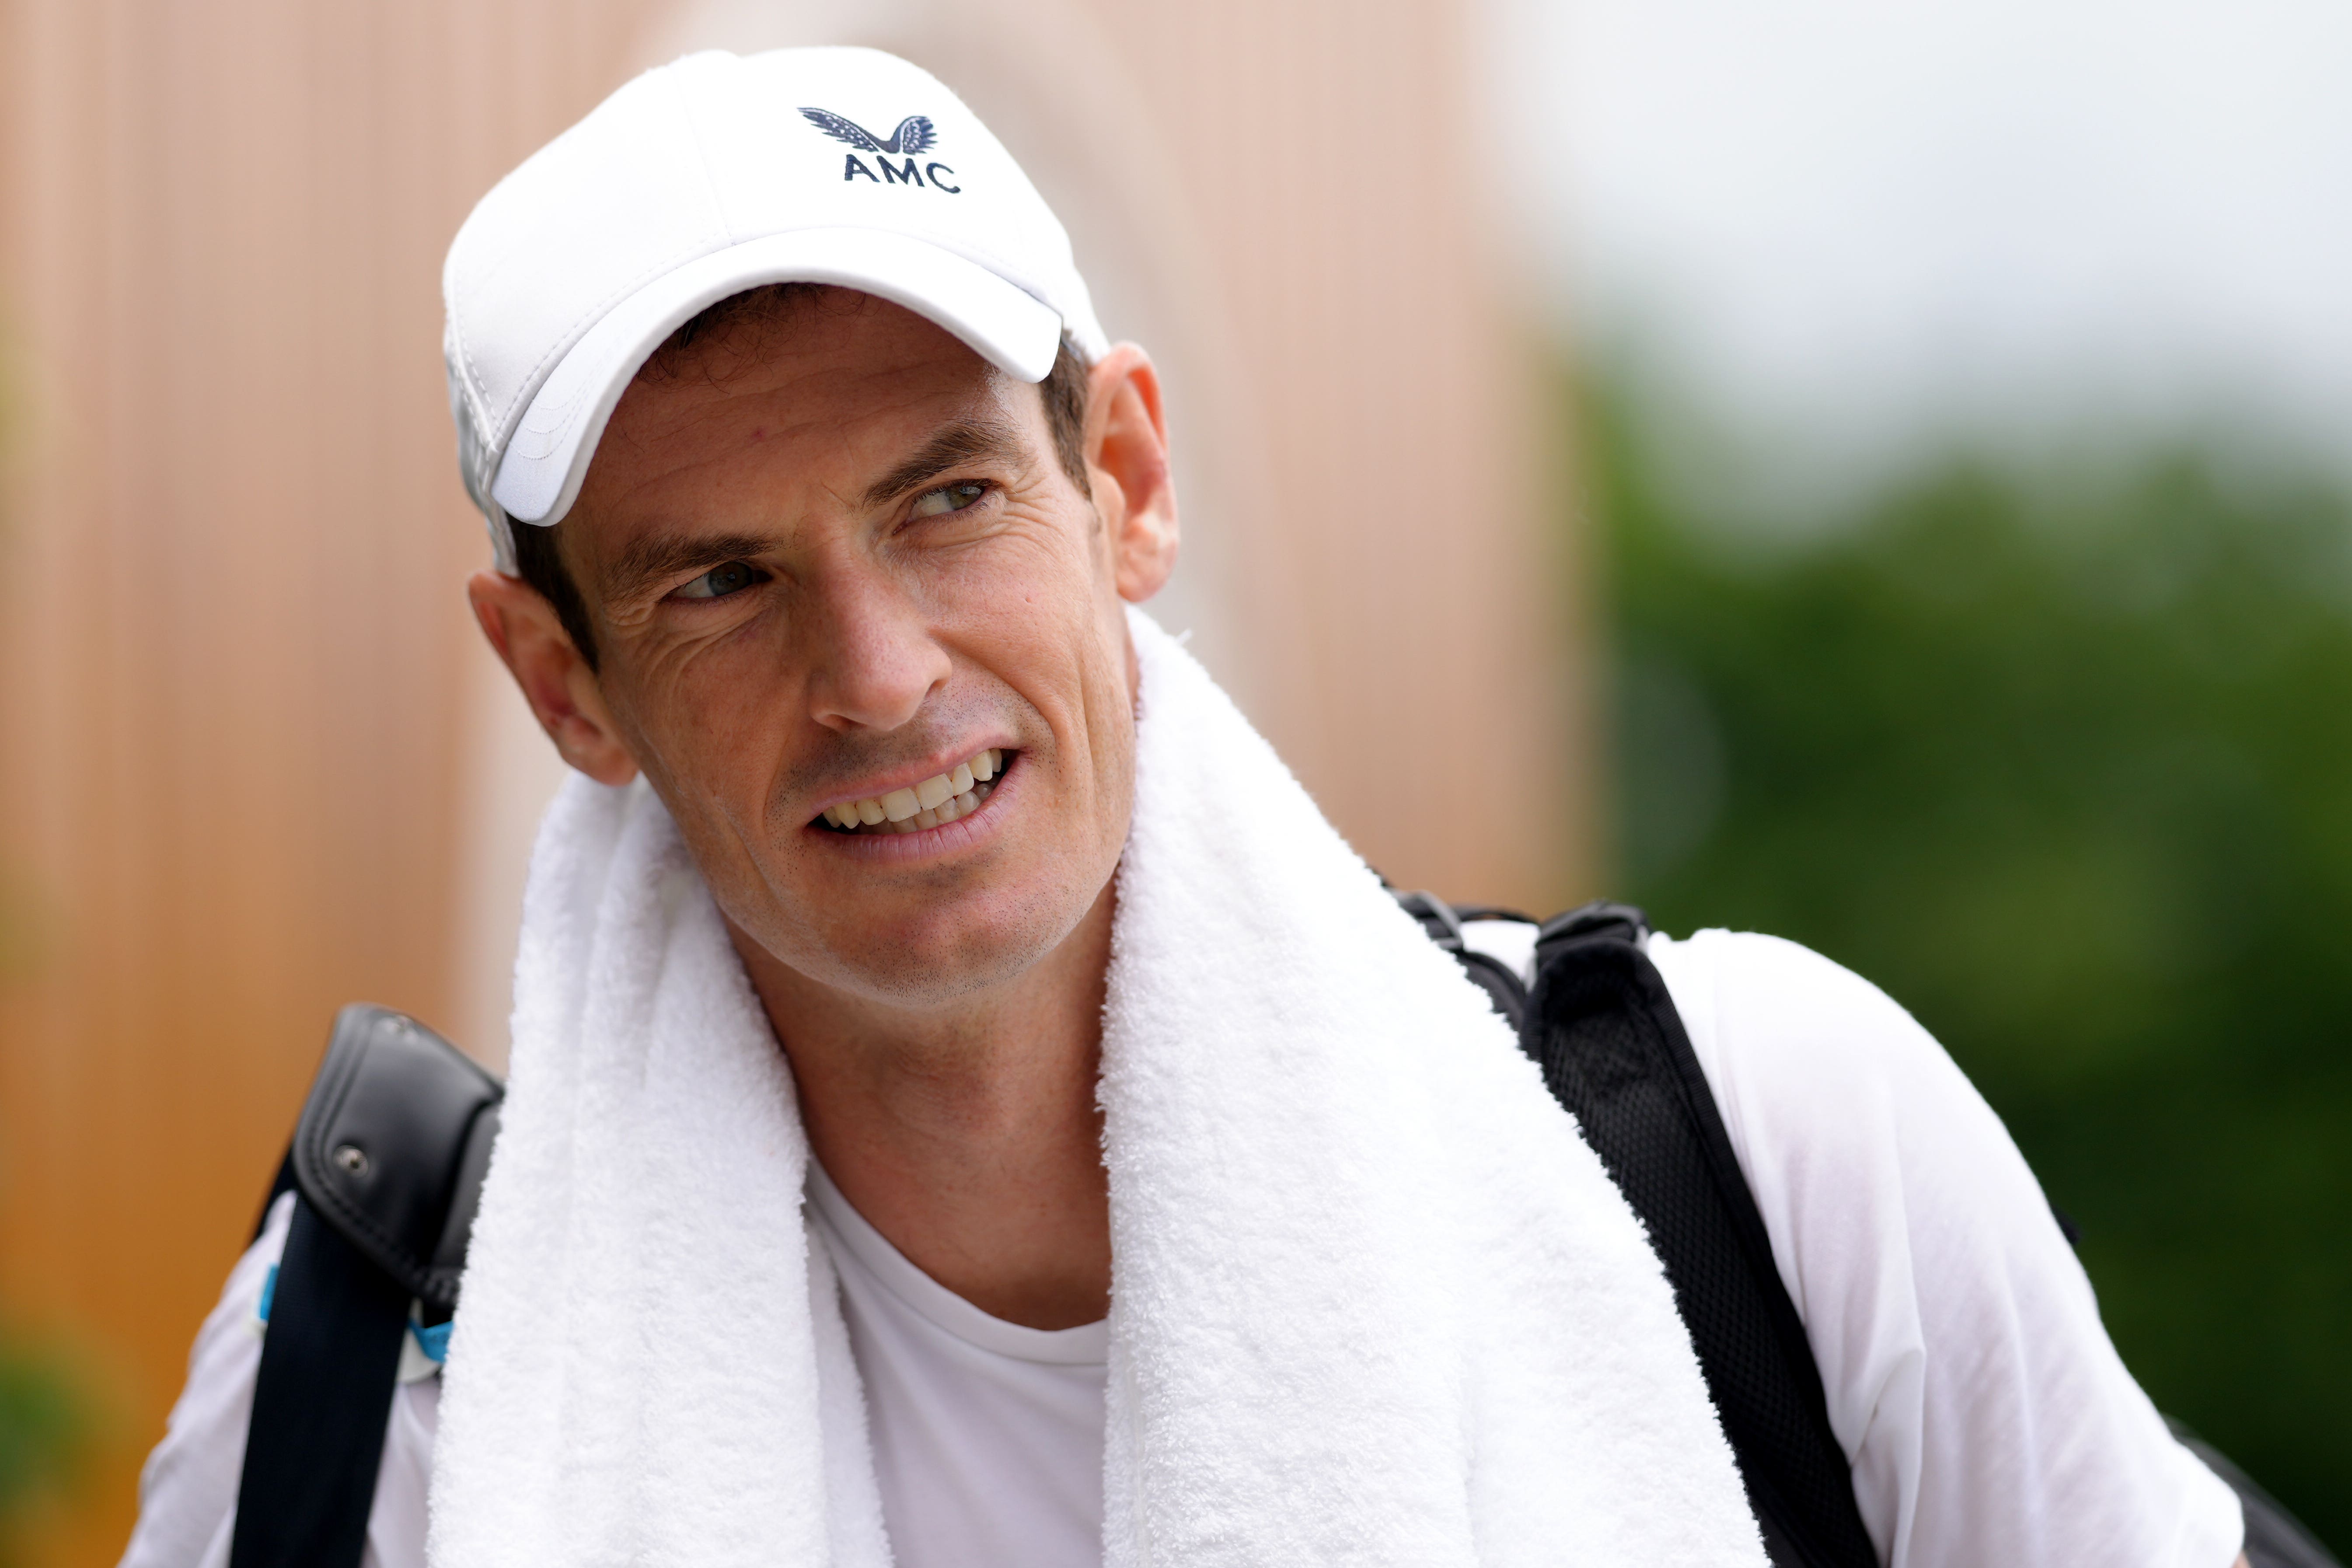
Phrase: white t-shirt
(987,1437)
(1985,1413)
(1987,1416)
(188,1494)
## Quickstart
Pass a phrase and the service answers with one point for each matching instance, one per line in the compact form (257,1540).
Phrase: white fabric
(1953,1332)
(650,1353)
(709,175)
(1805,1061)
(987,1437)
(547,456)
(1969,1380)
(1986,1414)
(1374,1300)
(187,1493)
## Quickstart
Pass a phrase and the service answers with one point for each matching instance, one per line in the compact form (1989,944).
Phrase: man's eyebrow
(650,560)
(965,441)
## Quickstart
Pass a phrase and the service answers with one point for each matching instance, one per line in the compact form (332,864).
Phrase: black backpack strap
(386,1169)
(1613,1050)
(1599,1023)
(320,1403)
(1441,923)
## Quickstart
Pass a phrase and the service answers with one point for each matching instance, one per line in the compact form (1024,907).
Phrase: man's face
(830,567)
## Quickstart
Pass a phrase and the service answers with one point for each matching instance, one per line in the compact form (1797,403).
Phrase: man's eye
(948,498)
(721,581)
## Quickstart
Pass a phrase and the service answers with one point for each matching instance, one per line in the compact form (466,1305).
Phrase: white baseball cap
(713,174)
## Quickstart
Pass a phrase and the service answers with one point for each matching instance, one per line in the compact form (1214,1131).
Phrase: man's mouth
(943,797)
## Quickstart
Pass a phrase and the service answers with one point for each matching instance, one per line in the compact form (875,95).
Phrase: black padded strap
(387,1168)
(329,1362)
(1442,923)
(1613,1051)
(393,1144)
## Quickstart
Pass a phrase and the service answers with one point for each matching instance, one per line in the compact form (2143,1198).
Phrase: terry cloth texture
(1373,1302)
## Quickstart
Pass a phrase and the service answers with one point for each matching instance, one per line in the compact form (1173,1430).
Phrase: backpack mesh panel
(1613,1051)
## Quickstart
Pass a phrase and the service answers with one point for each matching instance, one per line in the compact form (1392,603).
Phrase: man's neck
(969,1136)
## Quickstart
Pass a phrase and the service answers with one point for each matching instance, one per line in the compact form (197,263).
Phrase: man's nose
(875,658)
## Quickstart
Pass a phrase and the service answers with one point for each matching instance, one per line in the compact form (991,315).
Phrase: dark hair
(540,564)
(729,327)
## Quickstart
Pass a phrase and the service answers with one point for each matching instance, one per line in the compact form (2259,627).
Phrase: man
(967,1107)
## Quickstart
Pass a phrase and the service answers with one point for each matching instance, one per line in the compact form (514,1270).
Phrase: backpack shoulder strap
(1441,923)
(393,1144)
(387,1168)
(1599,1023)
(1613,1050)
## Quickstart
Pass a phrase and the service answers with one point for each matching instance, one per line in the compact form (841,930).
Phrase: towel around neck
(1373,1302)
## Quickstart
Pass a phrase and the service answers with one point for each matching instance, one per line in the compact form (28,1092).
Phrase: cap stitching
(533,381)
(508,420)
(469,383)
(569,338)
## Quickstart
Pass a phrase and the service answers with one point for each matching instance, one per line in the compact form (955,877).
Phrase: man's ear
(555,680)
(1127,463)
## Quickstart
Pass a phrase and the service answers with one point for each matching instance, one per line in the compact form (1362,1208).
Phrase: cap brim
(546,458)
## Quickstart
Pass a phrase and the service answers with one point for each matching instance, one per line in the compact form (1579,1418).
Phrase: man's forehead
(829,352)
(847,402)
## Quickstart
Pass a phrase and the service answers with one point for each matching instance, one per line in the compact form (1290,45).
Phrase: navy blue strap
(329,1364)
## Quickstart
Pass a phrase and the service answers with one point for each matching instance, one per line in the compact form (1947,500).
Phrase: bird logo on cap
(916,133)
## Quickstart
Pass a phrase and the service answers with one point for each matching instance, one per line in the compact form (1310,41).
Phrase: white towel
(1373,1302)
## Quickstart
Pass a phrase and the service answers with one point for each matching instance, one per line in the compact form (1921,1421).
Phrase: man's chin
(938,955)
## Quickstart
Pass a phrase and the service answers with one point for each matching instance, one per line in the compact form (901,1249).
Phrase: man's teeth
(943,797)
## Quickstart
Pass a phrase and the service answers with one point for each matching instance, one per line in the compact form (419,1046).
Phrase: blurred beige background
(255,764)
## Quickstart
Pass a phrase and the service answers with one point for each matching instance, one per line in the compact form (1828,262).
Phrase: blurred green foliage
(44,1431)
(2060,755)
